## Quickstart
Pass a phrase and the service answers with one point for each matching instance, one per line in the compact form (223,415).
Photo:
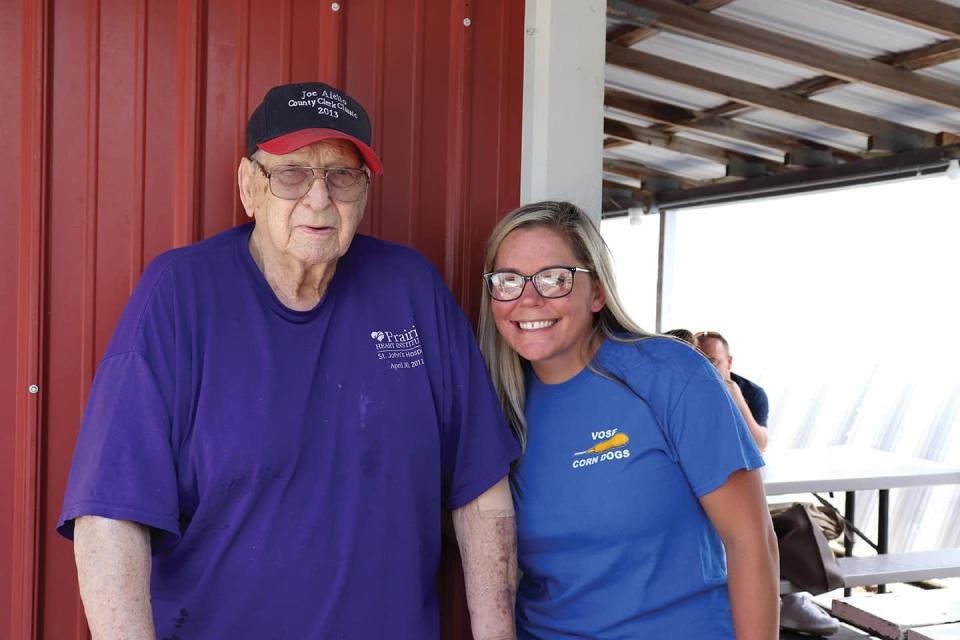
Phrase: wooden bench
(907,566)
(936,632)
(917,614)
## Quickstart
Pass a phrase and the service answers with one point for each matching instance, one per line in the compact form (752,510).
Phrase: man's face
(313,230)
(717,354)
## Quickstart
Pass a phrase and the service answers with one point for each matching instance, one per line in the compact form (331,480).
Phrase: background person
(636,465)
(280,415)
(684,335)
(798,611)
(749,397)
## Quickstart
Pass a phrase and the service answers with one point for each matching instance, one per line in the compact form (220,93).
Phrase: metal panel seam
(27,490)
(188,116)
(456,152)
(88,224)
(416,130)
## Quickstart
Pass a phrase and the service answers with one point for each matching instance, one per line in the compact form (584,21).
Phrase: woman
(636,465)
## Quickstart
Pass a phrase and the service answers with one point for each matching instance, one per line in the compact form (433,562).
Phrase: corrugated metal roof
(846,87)
(830,25)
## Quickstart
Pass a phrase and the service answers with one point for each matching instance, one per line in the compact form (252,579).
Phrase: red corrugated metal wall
(124,120)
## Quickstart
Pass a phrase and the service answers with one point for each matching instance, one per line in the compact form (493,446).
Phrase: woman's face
(549,332)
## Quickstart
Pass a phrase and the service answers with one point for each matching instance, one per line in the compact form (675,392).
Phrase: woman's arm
(738,511)
(113,567)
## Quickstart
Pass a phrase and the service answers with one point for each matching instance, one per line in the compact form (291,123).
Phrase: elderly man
(281,414)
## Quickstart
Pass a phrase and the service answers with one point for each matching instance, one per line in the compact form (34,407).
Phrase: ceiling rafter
(623,197)
(931,15)
(628,169)
(759,96)
(924,57)
(920,58)
(628,35)
(654,137)
(864,170)
(681,117)
(726,31)
(611,142)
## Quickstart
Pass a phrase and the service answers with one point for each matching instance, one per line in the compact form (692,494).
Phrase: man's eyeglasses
(707,334)
(290,182)
(703,335)
(552,282)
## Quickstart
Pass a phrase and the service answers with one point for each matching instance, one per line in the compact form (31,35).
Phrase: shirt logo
(611,446)
(400,349)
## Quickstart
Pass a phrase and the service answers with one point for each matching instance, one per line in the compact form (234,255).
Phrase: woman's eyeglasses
(552,282)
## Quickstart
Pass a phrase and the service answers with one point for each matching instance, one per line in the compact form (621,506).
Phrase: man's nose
(318,196)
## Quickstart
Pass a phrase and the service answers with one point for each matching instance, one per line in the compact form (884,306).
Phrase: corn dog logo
(610,445)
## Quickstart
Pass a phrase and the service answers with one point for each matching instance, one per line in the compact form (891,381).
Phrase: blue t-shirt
(291,465)
(613,542)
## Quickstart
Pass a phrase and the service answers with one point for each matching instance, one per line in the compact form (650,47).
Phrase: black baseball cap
(295,115)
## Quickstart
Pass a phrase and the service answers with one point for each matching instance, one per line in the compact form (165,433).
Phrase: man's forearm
(113,568)
(487,537)
(757,430)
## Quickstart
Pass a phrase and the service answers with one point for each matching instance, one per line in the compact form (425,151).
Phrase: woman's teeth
(536,324)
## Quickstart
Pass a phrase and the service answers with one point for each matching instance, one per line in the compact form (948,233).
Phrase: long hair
(505,364)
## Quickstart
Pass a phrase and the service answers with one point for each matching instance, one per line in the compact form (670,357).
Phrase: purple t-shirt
(292,466)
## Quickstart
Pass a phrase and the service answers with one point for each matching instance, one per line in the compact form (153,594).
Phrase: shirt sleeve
(477,445)
(123,465)
(709,434)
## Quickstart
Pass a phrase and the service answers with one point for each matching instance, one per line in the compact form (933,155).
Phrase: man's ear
(245,185)
(599,297)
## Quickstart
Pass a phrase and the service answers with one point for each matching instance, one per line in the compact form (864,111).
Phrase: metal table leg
(883,528)
(849,509)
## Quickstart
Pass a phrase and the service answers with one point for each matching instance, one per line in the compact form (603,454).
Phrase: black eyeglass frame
(361,175)
(534,278)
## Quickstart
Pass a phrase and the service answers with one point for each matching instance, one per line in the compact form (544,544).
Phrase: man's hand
(113,567)
(487,536)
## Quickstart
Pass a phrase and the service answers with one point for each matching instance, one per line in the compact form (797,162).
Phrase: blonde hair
(505,364)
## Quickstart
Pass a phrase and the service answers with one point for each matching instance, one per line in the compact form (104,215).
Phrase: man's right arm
(758,431)
(113,567)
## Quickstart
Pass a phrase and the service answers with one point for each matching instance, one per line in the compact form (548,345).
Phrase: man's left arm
(486,531)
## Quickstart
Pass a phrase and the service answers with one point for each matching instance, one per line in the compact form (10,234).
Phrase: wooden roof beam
(931,15)
(920,58)
(657,138)
(759,96)
(679,117)
(612,142)
(620,198)
(668,14)
(659,180)
(626,181)
(626,35)
(861,171)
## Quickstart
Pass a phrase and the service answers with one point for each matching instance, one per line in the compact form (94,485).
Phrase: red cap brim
(297,139)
